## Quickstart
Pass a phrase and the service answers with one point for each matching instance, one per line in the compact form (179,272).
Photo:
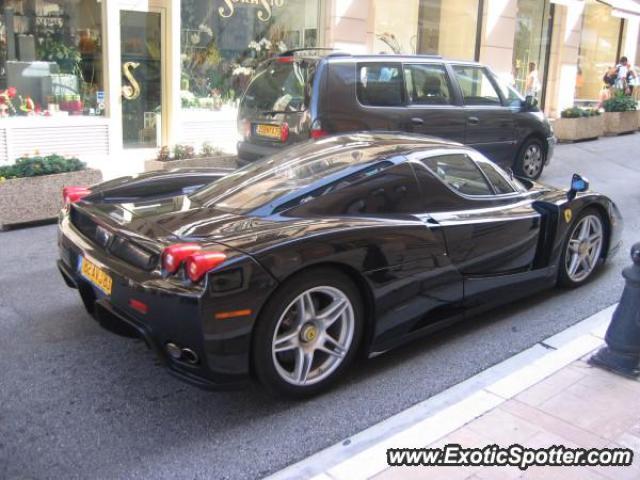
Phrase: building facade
(113,80)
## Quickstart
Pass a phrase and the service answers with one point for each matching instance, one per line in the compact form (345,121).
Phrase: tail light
(245,128)
(174,255)
(289,59)
(317,131)
(284,132)
(200,263)
(74,194)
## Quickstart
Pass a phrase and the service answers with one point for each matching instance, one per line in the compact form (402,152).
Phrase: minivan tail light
(284,132)
(317,131)
(174,255)
(74,194)
(198,264)
(290,59)
(245,128)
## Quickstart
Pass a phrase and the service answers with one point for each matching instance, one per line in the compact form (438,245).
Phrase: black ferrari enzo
(287,268)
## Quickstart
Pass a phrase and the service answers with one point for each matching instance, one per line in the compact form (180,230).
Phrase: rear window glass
(380,84)
(280,87)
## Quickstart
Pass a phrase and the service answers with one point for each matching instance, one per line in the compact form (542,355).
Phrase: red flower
(11,91)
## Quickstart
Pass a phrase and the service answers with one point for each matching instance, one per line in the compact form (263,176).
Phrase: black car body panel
(332,101)
(421,255)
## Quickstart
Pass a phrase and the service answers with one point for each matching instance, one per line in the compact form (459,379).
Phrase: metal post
(622,353)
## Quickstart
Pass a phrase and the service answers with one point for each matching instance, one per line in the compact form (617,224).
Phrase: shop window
(446,28)
(530,46)
(380,85)
(598,49)
(476,87)
(51,58)
(222,43)
(427,84)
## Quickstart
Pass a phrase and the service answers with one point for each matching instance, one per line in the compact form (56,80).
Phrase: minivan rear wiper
(273,112)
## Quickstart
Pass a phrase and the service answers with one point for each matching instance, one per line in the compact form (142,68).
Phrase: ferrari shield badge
(568,215)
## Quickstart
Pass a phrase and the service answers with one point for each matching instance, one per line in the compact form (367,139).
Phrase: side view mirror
(531,102)
(578,184)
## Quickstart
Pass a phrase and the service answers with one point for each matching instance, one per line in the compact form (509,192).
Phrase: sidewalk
(545,396)
(578,406)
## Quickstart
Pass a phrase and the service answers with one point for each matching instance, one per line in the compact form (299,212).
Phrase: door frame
(170,59)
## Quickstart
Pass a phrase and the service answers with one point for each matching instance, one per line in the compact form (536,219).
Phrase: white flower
(282,46)
(266,43)
(206,29)
(254,46)
(240,70)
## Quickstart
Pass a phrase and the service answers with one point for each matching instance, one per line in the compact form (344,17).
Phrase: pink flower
(11,91)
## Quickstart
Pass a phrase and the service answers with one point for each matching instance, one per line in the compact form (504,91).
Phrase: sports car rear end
(199,329)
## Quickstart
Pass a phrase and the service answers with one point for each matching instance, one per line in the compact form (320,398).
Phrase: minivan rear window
(278,88)
(380,84)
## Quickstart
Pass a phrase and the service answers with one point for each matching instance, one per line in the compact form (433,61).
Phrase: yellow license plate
(271,131)
(96,275)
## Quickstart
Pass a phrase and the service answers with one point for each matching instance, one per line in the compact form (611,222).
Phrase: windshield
(284,177)
(279,87)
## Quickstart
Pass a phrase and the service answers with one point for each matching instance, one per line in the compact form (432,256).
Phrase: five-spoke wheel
(313,335)
(583,249)
(308,332)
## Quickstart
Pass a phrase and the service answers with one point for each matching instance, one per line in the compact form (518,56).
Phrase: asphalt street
(80,402)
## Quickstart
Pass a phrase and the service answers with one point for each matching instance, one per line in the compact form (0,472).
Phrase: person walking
(532,85)
(626,76)
(608,83)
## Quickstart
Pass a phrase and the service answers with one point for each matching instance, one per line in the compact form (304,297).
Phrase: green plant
(209,150)
(183,151)
(620,103)
(578,112)
(38,165)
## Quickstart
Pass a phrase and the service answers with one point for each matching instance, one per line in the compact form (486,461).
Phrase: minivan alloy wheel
(532,160)
(313,335)
(584,248)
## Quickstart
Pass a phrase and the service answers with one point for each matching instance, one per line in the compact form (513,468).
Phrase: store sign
(131,91)
(264,7)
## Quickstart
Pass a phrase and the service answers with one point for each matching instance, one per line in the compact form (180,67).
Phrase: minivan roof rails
(288,53)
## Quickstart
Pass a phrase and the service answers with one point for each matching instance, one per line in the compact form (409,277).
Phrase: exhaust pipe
(189,356)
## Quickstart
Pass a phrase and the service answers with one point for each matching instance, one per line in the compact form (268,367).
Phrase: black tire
(263,337)
(564,277)
(531,159)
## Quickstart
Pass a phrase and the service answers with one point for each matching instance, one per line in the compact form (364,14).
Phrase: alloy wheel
(532,160)
(313,336)
(584,248)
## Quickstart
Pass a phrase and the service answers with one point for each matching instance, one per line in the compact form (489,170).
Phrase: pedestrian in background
(626,76)
(532,85)
(608,83)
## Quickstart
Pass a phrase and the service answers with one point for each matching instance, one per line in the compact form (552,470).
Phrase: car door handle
(473,120)
(417,121)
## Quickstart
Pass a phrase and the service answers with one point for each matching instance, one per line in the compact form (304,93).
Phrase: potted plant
(31,189)
(185,156)
(577,123)
(620,115)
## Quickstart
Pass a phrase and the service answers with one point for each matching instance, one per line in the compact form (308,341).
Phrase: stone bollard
(622,353)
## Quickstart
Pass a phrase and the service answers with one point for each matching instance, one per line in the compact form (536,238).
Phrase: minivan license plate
(270,131)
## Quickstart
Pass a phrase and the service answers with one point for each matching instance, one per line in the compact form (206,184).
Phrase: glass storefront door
(141,49)
(530,46)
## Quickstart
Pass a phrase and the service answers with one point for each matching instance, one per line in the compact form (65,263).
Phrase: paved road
(79,402)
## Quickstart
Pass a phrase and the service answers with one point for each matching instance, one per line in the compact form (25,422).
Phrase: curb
(364,454)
